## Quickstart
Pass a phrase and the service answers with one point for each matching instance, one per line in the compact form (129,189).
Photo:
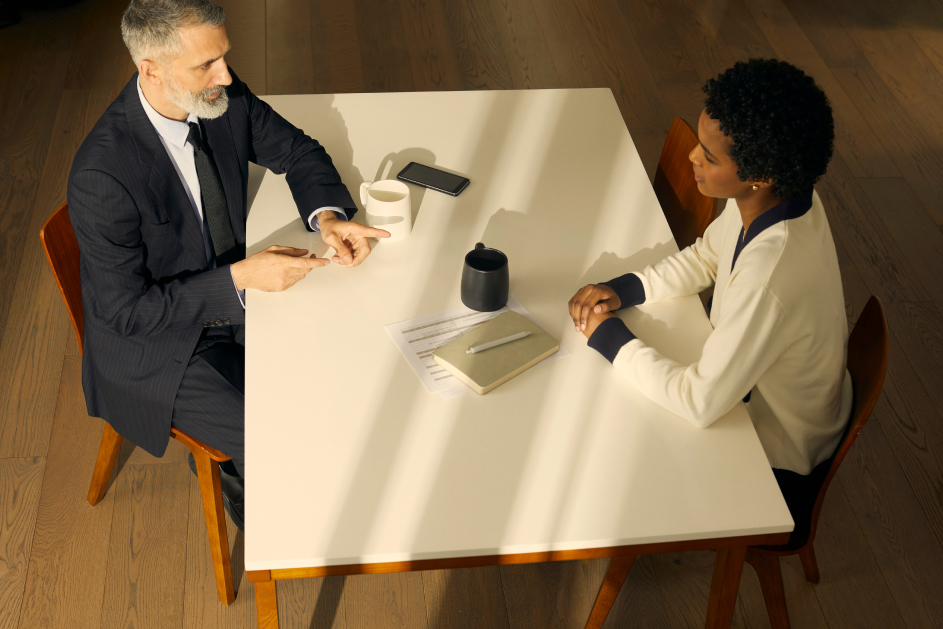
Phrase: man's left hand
(348,238)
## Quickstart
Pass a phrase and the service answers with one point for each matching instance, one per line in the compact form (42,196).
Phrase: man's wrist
(235,269)
(327,216)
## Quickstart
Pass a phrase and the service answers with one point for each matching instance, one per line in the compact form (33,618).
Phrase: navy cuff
(609,337)
(629,289)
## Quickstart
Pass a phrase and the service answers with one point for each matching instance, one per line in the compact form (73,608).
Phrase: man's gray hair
(151,28)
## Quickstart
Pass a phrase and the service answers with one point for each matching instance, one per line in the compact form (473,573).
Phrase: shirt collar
(173,131)
(793,207)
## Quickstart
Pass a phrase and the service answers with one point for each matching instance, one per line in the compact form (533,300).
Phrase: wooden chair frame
(868,348)
(62,252)
(687,211)
(867,363)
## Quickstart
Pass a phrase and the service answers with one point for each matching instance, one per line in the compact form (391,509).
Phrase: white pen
(507,339)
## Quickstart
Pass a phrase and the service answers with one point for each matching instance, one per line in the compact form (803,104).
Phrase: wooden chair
(687,210)
(62,251)
(867,363)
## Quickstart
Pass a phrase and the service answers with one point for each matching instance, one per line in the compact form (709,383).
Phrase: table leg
(725,584)
(615,576)
(266,602)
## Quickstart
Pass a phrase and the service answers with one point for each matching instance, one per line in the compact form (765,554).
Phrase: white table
(567,460)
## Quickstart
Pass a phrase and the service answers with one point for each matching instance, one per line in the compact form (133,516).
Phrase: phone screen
(433,178)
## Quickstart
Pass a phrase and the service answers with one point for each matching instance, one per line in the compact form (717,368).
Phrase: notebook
(483,371)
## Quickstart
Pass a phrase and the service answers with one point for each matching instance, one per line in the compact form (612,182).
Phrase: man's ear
(148,71)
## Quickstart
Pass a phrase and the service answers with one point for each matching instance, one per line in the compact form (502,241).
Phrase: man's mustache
(213,92)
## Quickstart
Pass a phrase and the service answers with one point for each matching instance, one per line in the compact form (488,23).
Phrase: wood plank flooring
(140,558)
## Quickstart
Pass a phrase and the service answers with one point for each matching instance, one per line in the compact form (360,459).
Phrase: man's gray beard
(197,104)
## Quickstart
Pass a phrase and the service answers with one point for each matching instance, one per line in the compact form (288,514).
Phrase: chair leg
(809,566)
(207,471)
(609,590)
(771,582)
(104,464)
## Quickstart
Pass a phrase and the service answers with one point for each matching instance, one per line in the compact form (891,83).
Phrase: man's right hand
(274,269)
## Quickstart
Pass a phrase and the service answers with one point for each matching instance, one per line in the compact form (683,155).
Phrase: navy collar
(793,207)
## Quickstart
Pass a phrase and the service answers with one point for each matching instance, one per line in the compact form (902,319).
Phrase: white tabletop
(350,460)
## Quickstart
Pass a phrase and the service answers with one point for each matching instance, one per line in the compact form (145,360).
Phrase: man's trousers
(210,403)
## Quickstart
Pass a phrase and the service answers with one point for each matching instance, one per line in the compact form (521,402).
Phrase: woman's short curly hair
(780,122)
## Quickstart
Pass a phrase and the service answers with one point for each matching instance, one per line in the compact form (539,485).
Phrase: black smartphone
(433,178)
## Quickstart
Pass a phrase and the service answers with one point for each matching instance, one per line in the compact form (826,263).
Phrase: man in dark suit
(157,197)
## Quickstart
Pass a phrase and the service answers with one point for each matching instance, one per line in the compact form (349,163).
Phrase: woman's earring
(756,187)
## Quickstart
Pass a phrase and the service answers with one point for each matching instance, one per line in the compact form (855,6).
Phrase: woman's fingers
(602,307)
(580,304)
(593,298)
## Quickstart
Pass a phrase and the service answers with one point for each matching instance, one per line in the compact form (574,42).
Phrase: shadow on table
(543,280)
(256,174)
(333,135)
(291,235)
(342,155)
(393,163)
(544,284)
(378,455)
(610,266)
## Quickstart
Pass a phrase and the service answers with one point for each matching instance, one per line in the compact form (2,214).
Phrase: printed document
(418,338)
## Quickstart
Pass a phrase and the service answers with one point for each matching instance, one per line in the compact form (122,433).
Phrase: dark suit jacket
(146,287)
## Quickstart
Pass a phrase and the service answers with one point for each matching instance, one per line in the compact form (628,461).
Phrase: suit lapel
(167,188)
(168,194)
(219,137)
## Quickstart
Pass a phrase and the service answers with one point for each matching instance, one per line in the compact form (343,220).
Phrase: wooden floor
(140,558)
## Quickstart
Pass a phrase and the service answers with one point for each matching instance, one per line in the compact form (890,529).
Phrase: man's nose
(224,78)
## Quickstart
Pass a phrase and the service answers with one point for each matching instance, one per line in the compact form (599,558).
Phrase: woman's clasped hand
(591,305)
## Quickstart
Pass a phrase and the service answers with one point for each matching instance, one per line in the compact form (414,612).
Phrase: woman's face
(714,169)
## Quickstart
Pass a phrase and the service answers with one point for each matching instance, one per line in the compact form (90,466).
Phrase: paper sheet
(418,338)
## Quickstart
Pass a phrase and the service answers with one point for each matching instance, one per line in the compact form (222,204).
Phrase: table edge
(764,539)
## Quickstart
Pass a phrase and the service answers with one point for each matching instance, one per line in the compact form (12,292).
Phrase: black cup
(485,279)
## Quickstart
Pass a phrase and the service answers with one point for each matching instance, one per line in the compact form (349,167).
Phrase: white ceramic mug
(387,206)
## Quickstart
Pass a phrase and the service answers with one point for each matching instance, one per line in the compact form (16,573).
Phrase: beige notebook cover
(483,371)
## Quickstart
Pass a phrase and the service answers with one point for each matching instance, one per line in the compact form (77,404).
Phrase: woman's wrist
(609,337)
(628,288)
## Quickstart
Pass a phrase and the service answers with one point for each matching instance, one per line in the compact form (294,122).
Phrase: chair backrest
(62,251)
(867,364)
(687,210)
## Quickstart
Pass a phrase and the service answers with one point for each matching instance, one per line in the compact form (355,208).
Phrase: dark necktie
(215,210)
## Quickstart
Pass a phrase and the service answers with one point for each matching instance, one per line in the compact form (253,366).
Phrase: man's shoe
(233,493)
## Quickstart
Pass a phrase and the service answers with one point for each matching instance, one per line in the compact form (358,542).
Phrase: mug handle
(363,193)
(480,245)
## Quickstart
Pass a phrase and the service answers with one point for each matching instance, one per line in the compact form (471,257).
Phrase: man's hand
(593,298)
(348,238)
(274,269)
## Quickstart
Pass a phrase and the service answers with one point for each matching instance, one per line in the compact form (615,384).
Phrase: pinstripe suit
(147,291)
